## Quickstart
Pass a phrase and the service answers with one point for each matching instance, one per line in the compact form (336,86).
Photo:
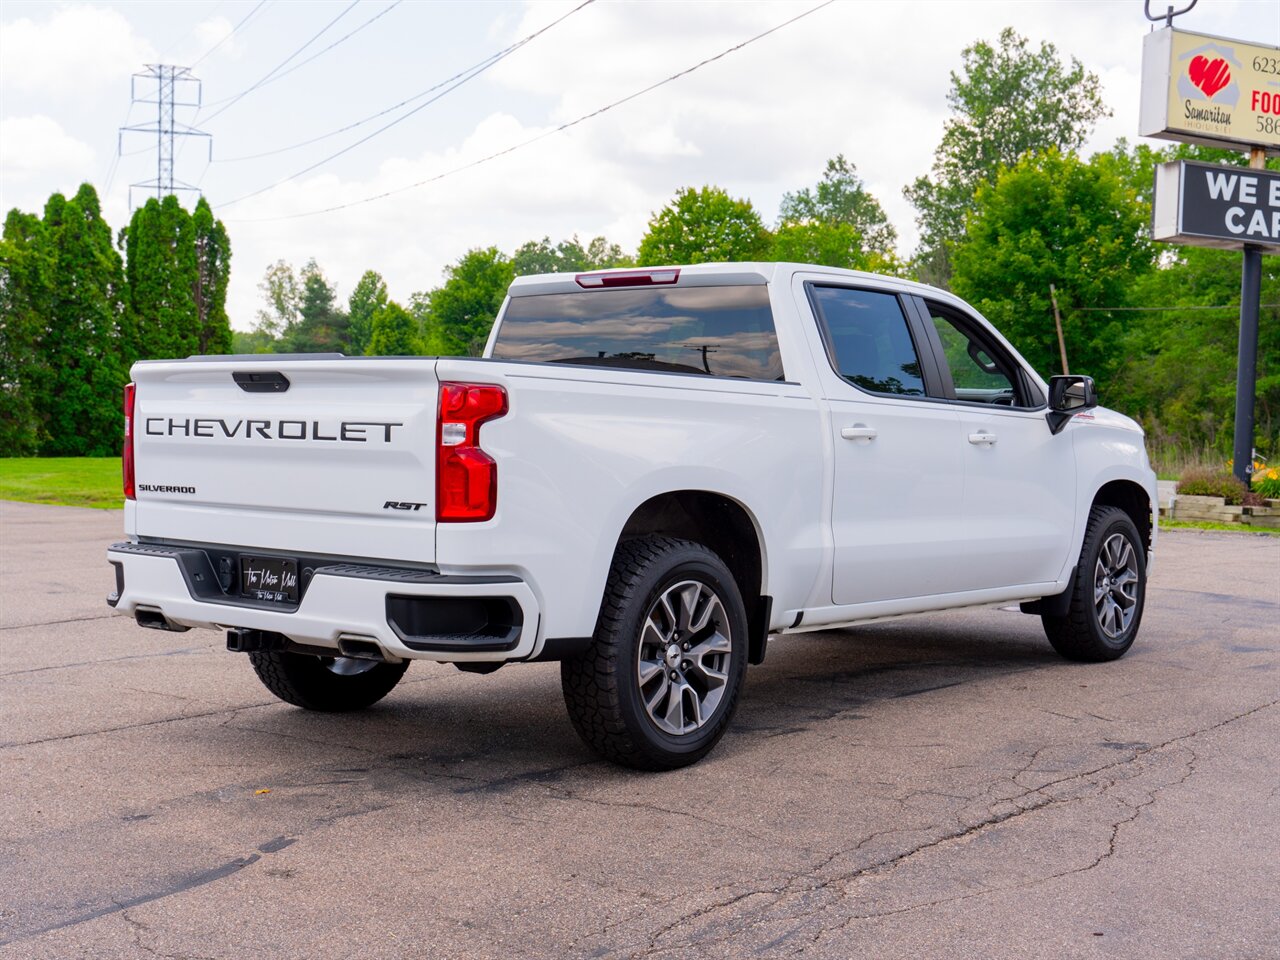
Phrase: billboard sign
(1210,90)
(1216,205)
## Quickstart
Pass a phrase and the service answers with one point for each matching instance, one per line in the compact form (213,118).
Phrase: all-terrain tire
(1095,629)
(604,689)
(328,684)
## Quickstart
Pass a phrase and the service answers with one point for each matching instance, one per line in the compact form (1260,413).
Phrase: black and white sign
(1216,205)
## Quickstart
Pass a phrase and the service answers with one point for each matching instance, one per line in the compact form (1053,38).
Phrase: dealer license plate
(269,578)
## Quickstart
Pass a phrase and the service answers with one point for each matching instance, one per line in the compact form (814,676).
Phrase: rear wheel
(1107,594)
(330,684)
(661,680)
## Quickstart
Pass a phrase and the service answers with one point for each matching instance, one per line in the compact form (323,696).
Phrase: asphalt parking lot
(937,787)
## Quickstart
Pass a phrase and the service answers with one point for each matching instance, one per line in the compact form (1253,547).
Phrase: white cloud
(215,32)
(75,47)
(410,237)
(38,146)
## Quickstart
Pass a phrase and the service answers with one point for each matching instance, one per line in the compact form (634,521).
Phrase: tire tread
(303,681)
(1075,635)
(592,681)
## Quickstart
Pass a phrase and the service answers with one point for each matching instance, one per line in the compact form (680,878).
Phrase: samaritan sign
(1209,90)
(1216,205)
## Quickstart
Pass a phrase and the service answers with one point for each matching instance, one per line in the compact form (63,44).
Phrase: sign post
(1221,93)
(1247,362)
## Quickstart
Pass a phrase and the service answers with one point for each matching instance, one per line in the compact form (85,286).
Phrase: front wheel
(1107,593)
(329,684)
(661,679)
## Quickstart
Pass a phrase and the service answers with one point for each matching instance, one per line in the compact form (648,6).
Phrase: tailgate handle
(270,381)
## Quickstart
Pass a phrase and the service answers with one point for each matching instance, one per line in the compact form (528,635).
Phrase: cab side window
(977,375)
(868,340)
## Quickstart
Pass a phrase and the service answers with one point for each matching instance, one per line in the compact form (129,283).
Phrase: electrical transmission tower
(160,87)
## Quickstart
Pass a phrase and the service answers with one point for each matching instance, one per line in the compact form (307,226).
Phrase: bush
(1209,483)
(1267,485)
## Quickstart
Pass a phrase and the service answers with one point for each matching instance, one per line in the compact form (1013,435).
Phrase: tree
(1052,218)
(460,314)
(321,327)
(24,293)
(162,275)
(703,226)
(395,332)
(1179,367)
(79,394)
(568,256)
(539,256)
(213,274)
(279,287)
(841,198)
(1180,357)
(369,296)
(603,255)
(253,341)
(822,242)
(1007,100)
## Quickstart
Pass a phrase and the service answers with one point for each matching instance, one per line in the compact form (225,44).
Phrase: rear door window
(868,340)
(713,331)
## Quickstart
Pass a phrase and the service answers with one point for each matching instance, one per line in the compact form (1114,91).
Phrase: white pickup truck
(647,475)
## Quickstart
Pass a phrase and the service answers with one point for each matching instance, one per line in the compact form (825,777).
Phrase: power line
(381,113)
(115,157)
(232,101)
(190,30)
(1221,306)
(245,19)
(344,37)
(544,135)
(422,106)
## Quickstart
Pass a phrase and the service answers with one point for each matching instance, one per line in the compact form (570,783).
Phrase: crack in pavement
(54,623)
(809,883)
(190,882)
(95,663)
(15,744)
(1110,851)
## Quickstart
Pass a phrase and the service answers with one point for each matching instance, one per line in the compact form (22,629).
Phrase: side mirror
(1069,395)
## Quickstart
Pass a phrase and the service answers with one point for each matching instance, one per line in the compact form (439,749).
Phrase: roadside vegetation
(1010,214)
(1166,525)
(67,481)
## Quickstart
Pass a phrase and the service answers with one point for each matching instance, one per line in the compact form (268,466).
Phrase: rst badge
(403,505)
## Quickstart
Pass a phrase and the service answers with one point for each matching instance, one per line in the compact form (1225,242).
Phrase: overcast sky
(868,79)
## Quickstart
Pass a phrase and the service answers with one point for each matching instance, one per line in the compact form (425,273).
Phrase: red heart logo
(1209,75)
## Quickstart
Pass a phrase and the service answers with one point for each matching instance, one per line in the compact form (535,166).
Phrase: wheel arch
(1133,499)
(724,526)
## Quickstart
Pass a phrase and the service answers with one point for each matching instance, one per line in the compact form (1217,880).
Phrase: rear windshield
(721,331)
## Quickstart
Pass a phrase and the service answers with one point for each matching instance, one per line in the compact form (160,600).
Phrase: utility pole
(1057,322)
(704,350)
(161,85)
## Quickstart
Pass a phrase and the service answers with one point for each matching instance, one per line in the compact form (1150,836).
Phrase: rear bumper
(409,614)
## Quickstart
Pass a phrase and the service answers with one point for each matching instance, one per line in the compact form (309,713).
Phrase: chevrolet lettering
(349,431)
(651,476)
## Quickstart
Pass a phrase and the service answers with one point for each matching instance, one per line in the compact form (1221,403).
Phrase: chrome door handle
(983,437)
(859,431)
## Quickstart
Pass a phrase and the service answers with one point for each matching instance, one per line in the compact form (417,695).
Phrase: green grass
(1210,525)
(66,481)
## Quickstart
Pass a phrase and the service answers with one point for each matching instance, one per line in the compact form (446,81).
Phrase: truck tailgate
(331,456)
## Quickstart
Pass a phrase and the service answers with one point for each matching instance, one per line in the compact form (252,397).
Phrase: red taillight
(633,278)
(466,476)
(126,455)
